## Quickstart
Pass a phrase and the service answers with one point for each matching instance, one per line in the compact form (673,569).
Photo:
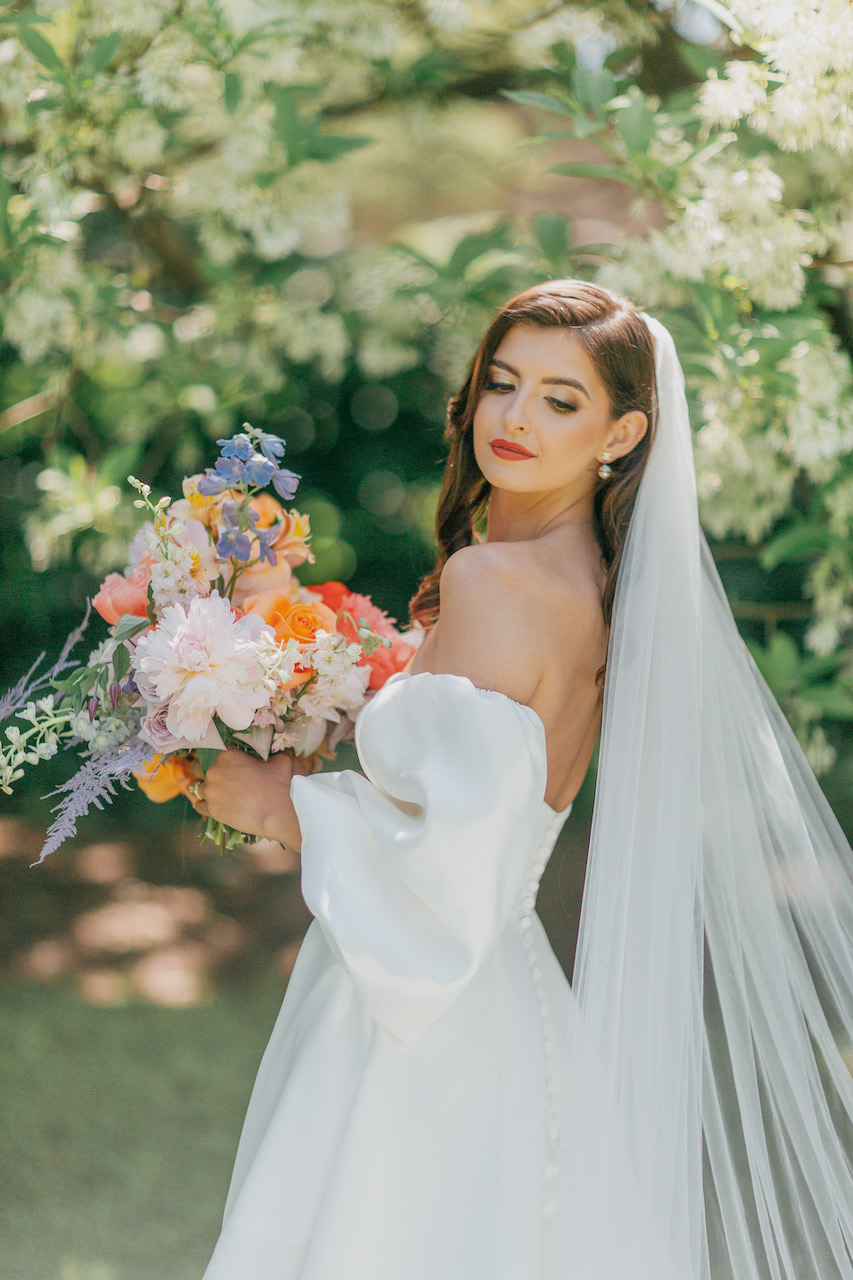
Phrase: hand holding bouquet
(212,642)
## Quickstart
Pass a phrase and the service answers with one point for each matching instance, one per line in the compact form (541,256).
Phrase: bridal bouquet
(212,642)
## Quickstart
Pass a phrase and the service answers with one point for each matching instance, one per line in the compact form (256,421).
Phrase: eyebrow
(551,382)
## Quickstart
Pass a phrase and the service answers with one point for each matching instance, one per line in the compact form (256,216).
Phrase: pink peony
(201,662)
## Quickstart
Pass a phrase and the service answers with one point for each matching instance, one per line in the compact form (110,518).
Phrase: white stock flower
(724,102)
(819,751)
(800,92)
(109,733)
(302,735)
(139,140)
(203,661)
(819,419)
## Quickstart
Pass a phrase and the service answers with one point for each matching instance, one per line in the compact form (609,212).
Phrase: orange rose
(290,621)
(120,595)
(163,779)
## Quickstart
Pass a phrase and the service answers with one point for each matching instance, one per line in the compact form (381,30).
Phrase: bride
(436,1102)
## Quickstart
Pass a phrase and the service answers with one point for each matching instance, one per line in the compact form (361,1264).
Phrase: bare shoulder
(508,614)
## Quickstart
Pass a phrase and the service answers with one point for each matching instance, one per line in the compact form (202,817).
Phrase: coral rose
(387,662)
(383,661)
(163,779)
(331,593)
(124,593)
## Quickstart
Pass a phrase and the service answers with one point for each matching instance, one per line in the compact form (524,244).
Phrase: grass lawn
(118,1127)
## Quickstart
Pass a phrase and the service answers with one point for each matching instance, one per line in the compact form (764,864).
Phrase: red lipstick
(505,449)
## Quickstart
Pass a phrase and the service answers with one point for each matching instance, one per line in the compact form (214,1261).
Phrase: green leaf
(552,233)
(328,146)
(474,246)
(778,662)
(794,543)
(544,101)
(832,700)
(5,197)
(817,666)
(42,50)
(619,59)
(600,249)
(233,94)
(24,17)
(121,662)
(129,624)
(613,172)
(636,124)
(593,89)
(206,756)
(99,57)
(431,69)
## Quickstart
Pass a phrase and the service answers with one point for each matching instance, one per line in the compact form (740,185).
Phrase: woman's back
(525,618)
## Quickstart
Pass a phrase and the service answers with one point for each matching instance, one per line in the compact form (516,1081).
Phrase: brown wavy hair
(619,343)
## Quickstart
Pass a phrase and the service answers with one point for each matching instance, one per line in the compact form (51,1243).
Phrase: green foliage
(205,216)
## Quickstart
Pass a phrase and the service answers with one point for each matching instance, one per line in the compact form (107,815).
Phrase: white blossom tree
(303,213)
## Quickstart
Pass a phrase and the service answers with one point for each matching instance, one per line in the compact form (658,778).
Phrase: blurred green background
(303,215)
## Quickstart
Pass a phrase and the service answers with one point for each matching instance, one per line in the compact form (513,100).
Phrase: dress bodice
(550,824)
(416,868)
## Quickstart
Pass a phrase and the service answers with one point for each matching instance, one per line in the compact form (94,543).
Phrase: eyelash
(561,406)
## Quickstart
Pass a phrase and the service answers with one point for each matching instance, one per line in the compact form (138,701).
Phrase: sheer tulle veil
(714,970)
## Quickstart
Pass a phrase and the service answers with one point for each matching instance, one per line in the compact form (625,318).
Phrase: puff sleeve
(413,870)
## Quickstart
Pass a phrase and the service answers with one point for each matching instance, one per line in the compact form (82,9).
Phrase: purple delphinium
(266,537)
(234,541)
(249,459)
(259,471)
(272,447)
(239,446)
(286,483)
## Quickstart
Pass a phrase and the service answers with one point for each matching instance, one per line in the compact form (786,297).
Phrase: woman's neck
(524,517)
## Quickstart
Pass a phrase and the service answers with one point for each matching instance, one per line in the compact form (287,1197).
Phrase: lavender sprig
(24,691)
(92,784)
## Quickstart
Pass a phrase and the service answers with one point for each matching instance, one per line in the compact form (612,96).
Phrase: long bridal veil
(714,970)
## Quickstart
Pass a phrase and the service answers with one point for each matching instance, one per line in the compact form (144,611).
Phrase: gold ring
(194,789)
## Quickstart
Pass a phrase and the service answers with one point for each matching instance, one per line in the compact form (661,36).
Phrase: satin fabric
(405,1117)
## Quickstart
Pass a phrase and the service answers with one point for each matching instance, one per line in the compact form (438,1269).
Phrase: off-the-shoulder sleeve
(413,870)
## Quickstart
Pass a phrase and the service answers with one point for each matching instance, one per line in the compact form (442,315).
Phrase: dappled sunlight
(87,1271)
(99,916)
(104,863)
(174,976)
(270,857)
(50,958)
(125,926)
(103,986)
(16,838)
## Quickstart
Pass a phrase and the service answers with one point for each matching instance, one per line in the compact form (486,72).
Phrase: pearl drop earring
(605,469)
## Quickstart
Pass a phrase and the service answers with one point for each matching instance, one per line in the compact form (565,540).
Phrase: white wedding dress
(404,1121)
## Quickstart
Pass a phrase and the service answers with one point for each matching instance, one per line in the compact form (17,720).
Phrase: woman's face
(543,395)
